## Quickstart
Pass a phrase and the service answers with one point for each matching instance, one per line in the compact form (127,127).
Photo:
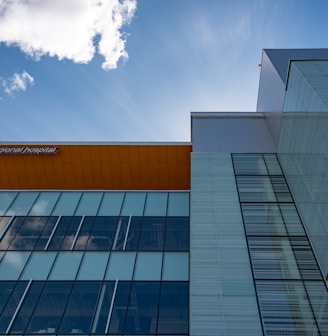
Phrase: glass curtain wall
(291,292)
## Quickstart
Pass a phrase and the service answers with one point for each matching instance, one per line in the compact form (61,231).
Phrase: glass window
(27,308)
(176,266)
(71,232)
(148,266)
(93,266)
(177,234)
(133,204)
(50,308)
(142,312)
(156,204)
(152,234)
(83,236)
(44,204)
(134,233)
(173,308)
(249,164)
(263,219)
(66,266)
(120,306)
(80,308)
(178,204)
(281,189)
(22,203)
(292,220)
(255,189)
(101,315)
(66,204)
(103,234)
(28,234)
(120,234)
(12,264)
(273,258)
(38,266)
(11,232)
(3,223)
(6,198)
(290,298)
(11,305)
(111,204)
(65,233)
(272,164)
(121,266)
(89,204)
(45,235)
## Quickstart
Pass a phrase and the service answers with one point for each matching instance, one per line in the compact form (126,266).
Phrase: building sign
(28,150)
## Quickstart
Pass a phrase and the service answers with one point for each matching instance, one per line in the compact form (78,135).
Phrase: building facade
(226,235)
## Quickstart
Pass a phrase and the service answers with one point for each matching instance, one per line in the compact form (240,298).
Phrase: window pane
(65,233)
(45,235)
(119,238)
(111,204)
(156,204)
(120,307)
(6,198)
(3,223)
(103,306)
(12,304)
(103,233)
(11,232)
(133,204)
(38,266)
(22,203)
(121,266)
(249,164)
(173,308)
(12,265)
(134,233)
(273,258)
(66,266)
(263,219)
(176,266)
(89,204)
(85,231)
(27,308)
(28,234)
(177,234)
(143,308)
(255,189)
(178,204)
(69,236)
(93,266)
(66,204)
(148,266)
(152,234)
(50,308)
(80,308)
(290,298)
(44,204)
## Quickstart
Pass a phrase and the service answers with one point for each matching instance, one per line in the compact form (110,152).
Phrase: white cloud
(18,82)
(67,28)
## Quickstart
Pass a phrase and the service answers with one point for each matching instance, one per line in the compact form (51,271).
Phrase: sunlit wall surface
(303,148)
(94,263)
(222,294)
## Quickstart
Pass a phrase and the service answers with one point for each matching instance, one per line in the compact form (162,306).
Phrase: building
(226,235)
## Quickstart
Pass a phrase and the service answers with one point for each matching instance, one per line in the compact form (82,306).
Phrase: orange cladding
(98,166)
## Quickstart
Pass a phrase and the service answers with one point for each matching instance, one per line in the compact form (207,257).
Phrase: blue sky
(183,56)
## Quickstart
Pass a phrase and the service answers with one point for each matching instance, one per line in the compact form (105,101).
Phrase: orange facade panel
(95,167)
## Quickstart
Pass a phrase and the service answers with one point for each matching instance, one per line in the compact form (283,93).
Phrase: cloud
(71,29)
(18,82)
